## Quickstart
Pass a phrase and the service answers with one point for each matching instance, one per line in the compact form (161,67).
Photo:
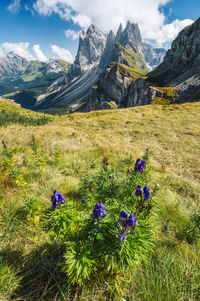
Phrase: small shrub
(114,231)
(161,101)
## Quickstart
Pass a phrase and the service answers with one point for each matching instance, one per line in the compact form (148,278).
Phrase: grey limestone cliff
(181,65)
(91,46)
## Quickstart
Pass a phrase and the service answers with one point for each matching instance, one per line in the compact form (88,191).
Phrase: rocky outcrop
(153,57)
(118,88)
(181,65)
(141,93)
(125,48)
(115,82)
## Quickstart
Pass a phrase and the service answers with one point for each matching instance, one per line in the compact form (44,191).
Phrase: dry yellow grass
(75,143)
(171,132)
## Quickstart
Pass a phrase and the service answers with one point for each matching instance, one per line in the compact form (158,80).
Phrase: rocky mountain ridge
(181,65)
(112,73)
(13,65)
(24,80)
(125,48)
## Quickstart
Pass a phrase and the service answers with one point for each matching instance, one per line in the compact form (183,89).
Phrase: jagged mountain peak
(109,51)
(110,37)
(130,36)
(12,54)
(119,31)
(93,28)
(91,45)
(82,34)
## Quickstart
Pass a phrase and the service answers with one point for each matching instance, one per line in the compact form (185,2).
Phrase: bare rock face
(141,93)
(100,61)
(153,57)
(125,48)
(108,54)
(181,65)
(130,36)
(115,83)
(91,46)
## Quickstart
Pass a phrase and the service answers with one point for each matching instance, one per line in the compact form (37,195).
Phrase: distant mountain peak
(13,55)
(153,56)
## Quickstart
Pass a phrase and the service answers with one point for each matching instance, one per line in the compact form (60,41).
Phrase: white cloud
(107,14)
(39,54)
(72,34)
(18,48)
(169,32)
(14,6)
(62,53)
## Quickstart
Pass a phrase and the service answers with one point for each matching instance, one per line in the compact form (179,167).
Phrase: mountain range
(24,80)
(115,71)
(103,71)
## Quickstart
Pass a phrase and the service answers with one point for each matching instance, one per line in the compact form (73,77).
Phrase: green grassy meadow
(40,153)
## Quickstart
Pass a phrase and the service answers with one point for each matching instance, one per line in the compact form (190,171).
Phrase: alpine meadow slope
(66,153)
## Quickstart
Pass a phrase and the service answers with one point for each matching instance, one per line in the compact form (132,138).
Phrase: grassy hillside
(37,159)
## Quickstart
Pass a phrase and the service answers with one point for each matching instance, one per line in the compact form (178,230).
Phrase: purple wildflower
(146,193)
(111,178)
(123,235)
(124,214)
(99,210)
(147,149)
(132,220)
(138,190)
(139,165)
(57,199)
(127,223)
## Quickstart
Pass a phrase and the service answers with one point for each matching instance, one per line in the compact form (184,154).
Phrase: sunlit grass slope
(56,154)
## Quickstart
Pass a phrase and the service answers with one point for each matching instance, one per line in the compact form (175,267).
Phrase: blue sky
(49,28)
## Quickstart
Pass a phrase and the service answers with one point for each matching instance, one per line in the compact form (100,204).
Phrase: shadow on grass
(41,276)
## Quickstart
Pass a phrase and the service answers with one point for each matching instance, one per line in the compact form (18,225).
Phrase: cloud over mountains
(34,53)
(108,14)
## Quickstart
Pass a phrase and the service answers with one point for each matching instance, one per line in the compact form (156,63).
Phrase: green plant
(103,238)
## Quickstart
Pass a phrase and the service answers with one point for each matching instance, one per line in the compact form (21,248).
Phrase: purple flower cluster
(127,222)
(146,193)
(139,165)
(138,192)
(99,210)
(143,197)
(57,199)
